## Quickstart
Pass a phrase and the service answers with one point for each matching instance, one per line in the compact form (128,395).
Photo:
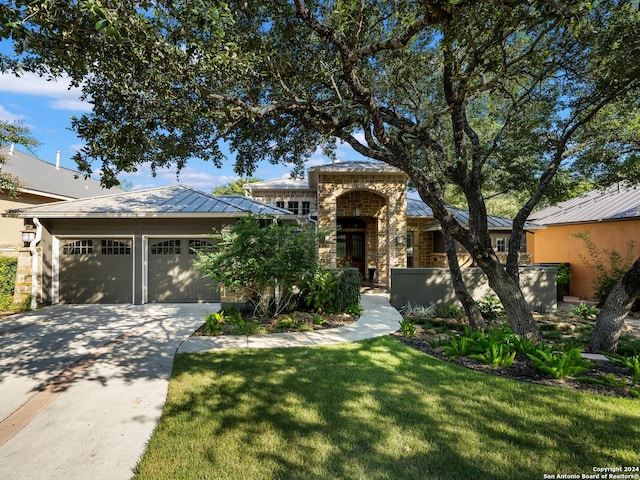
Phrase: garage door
(172,276)
(96,270)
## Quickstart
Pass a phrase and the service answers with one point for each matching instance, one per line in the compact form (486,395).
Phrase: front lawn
(376,409)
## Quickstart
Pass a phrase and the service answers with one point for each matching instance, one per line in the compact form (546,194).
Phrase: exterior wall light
(399,239)
(28,235)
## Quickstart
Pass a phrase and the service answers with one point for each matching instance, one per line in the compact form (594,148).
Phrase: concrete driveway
(83,386)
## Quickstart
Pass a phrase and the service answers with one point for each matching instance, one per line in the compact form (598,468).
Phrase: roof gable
(174,201)
(46,179)
(617,202)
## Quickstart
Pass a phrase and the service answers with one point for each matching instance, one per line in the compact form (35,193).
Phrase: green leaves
(264,258)
(560,364)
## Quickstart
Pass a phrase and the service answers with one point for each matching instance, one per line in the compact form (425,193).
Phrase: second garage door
(171,274)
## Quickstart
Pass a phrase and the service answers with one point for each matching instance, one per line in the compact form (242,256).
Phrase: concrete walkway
(83,386)
(378,318)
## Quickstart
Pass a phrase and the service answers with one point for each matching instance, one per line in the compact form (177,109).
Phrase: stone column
(23,276)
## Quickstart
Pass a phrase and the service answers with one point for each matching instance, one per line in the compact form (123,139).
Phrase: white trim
(145,270)
(55,274)
(55,287)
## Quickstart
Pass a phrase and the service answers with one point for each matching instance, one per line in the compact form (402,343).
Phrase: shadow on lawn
(382,410)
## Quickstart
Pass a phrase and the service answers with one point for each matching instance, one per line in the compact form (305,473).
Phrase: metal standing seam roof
(617,202)
(43,178)
(280,184)
(174,201)
(417,208)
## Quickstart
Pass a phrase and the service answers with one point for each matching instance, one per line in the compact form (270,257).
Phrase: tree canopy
(10,134)
(235,188)
(500,96)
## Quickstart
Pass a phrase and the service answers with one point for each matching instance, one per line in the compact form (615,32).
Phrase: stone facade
(24,276)
(363,208)
(381,201)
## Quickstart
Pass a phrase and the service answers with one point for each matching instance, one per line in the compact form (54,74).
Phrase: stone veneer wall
(379,196)
(422,241)
(24,277)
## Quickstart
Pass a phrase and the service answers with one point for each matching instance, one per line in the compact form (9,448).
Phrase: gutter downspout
(34,263)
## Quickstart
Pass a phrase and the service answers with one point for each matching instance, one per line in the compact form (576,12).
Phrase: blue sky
(46,107)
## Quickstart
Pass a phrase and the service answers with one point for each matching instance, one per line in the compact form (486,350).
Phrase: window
(501,245)
(409,249)
(168,247)
(78,247)
(306,208)
(280,204)
(293,207)
(196,246)
(115,247)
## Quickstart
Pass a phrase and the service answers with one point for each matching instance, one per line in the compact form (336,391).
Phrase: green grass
(376,410)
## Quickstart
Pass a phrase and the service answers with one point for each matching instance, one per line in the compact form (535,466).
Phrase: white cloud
(71,104)
(76,147)
(10,117)
(65,97)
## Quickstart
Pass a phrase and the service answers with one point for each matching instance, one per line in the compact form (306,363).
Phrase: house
(371,221)
(133,247)
(138,247)
(611,216)
(41,182)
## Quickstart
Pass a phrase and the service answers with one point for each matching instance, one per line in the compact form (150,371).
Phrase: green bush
(491,308)
(333,291)
(347,288)
(407,328)
(214,323)
(584,312)
(608,266)
(560,364)
(8,269)
(497,355)
(450,311)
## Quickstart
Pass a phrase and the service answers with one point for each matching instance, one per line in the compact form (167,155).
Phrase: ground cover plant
(557,360)
(376,409)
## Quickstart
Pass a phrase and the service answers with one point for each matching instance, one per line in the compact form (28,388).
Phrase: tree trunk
(508,290)
(469,305)
(611,318)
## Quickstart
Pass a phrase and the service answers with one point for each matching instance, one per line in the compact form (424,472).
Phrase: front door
(350,251)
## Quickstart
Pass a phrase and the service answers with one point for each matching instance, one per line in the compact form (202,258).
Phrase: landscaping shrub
(265,259)
(560,363)
(333,291)
(8,269)
(407,328)
(608,266)
(347,289)
(584,312)
(450,311)
(491,308)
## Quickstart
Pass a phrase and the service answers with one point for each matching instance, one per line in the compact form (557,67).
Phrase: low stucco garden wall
(432,286)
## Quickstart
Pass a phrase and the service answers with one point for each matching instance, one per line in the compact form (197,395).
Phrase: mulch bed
(523,370)
(328,321)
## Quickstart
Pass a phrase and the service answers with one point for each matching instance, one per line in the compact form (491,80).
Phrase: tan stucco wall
(10,228)
(558,244)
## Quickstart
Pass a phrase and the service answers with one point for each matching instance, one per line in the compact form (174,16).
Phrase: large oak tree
(466,93)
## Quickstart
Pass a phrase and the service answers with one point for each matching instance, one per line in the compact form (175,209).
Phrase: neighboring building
(133,247)
(42,182)
(372,222)
(612,218)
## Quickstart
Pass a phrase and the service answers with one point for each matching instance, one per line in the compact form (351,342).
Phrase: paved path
(82,386)
(378,318)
